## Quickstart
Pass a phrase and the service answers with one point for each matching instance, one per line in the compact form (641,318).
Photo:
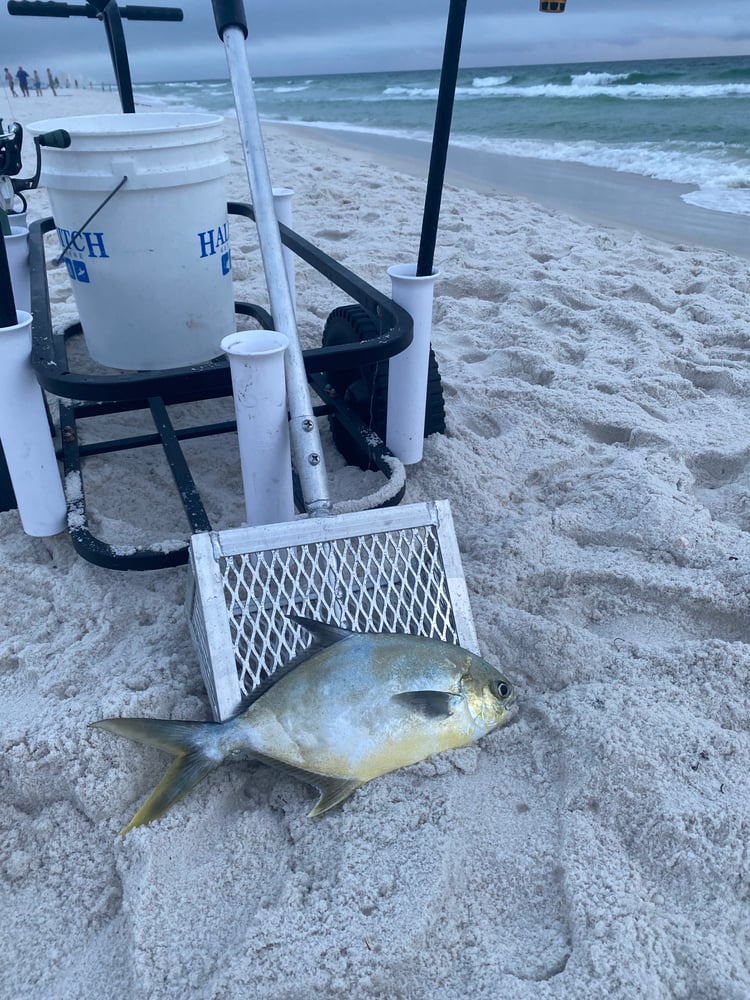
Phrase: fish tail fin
(193,746)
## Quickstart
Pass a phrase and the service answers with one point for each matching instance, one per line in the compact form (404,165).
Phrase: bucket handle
(77,232)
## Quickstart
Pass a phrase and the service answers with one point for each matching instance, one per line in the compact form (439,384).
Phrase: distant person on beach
(9,81)
(23,81)
(51,82)
(37,84)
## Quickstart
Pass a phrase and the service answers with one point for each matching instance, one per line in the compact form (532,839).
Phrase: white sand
(598,394)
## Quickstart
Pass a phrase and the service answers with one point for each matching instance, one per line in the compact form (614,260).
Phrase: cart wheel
(365,388)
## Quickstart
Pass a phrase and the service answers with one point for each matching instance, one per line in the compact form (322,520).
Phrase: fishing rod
(443,118)
(111,15)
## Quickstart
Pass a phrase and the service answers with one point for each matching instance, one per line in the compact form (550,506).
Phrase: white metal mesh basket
(391,570)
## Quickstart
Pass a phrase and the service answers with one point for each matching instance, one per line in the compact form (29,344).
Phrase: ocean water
(683,120)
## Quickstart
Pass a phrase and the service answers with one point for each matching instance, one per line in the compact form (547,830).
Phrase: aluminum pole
(305,437)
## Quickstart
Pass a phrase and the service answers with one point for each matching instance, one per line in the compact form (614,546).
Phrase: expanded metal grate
(404,576)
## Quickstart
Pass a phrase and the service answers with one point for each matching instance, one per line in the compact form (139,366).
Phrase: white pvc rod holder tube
(408,371)
(282,205)
(256,363)
(26,437)
(17,247)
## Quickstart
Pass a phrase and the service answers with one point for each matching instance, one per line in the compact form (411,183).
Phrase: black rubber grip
(57,139)
(229,14)
(37,8)
(51,8)
(136,12)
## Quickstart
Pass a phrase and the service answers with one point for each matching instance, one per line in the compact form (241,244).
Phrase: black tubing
(441,136)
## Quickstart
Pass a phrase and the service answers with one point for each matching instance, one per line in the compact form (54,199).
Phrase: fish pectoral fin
(332,789)
(430,704)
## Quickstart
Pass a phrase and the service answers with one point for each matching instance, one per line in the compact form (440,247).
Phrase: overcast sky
(291,37)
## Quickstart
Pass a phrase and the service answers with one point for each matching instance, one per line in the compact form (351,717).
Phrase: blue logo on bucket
(213,241)
(77,270)
(90,244)
(226,262)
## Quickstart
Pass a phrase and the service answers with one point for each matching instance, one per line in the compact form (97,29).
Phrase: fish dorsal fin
(430,704)
(323,636)
(332,789)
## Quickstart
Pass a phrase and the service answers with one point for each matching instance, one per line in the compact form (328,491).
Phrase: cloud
(299,37)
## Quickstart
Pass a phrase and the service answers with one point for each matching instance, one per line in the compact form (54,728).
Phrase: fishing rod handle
(229,14)
(139,12)
(37,8)
(441,136)
(58,138)
(52,8)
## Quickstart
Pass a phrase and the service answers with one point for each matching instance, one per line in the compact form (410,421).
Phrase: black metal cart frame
(85,395)
(92,395)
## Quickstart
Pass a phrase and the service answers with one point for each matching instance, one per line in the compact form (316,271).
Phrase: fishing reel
(11,140)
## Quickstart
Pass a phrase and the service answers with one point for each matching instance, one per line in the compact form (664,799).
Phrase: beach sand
(597,386)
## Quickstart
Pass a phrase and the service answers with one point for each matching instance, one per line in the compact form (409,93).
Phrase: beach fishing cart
(358,338)
(369,566)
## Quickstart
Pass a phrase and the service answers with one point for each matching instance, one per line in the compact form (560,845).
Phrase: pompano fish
(353,706)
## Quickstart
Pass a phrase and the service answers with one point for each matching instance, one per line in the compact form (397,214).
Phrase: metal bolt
(307,424)
(313,458)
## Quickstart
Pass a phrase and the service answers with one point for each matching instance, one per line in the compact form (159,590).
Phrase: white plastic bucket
(151,270)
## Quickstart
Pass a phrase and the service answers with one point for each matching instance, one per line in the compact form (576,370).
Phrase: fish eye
(503,689)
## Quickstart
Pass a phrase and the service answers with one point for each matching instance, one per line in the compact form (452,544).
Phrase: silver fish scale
(404,579)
